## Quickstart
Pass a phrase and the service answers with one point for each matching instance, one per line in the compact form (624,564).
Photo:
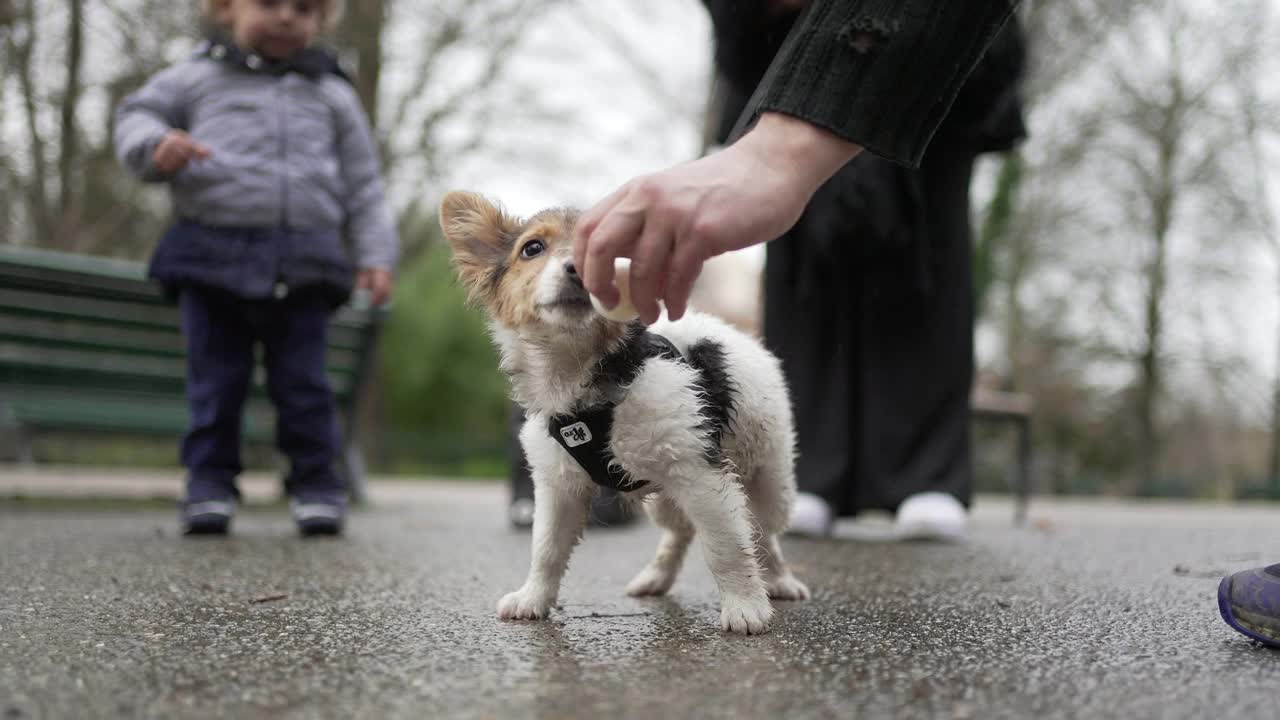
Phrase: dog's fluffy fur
(736,495)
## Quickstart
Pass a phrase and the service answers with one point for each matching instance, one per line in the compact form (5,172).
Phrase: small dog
(692,416)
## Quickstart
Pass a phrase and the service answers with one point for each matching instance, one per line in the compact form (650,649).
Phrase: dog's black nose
(572,272)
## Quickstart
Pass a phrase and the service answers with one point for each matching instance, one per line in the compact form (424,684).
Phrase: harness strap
(586,433)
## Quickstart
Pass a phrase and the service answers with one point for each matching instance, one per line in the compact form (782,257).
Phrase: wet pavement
(1095,610)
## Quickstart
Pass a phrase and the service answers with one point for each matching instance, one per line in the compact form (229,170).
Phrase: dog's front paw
(745,616)
(788,587)
(650,581)
(524,604)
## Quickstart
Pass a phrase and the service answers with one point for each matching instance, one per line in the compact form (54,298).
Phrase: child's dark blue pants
(221,332)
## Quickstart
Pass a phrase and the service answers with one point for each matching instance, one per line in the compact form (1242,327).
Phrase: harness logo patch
(576,434)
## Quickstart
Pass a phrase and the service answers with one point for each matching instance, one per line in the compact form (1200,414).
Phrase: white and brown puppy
(692,416)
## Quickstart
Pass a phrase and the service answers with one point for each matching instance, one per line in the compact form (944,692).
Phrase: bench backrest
(92,325)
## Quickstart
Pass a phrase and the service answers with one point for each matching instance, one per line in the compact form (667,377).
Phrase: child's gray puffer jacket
(289,149)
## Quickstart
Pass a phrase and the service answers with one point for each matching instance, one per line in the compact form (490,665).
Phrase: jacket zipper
(284,152)
(280,290)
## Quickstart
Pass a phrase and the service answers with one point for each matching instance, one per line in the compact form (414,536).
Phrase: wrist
(804,154)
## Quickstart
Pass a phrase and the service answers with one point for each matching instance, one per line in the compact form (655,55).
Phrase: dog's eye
(532,249)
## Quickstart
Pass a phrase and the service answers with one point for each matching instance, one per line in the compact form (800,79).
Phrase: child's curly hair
(331,10)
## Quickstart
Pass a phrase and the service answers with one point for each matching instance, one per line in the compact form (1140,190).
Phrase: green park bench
(89,345)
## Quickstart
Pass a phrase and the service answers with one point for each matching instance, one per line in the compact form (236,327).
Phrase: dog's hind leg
(770,495)
(782,585)
(716,506)
(770,506)
(559,515)
(656,578)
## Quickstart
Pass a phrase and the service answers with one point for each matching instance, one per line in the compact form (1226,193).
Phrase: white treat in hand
(624,311)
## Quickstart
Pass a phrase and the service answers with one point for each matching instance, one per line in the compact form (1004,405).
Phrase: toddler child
(270,162)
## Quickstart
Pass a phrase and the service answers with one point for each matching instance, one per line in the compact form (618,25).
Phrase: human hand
(378,282)
(670,222)
(175,150)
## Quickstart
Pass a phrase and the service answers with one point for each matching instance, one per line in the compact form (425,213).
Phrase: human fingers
(169,157)
(648,262)
(381,286)
(587,224)
(367,281)
(613,237)
(682,272)
(186,145)
(161,160)
(188,149)
(179,150)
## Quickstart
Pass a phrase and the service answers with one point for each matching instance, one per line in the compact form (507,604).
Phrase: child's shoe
(318,515)
(1250,603)
(207,517)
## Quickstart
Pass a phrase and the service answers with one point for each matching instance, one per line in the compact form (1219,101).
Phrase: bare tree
(548,109)
(361,33)
(8,176)
(54,72)
(69,152)
(1260,115)
(1062,37)
(20,43)
(459,93)
(456,84)
(1169,118)
(1151,165)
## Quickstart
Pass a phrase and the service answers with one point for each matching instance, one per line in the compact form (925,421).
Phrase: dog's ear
(481,236)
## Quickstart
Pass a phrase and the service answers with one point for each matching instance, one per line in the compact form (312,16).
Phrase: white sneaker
(931,516)
(811,516)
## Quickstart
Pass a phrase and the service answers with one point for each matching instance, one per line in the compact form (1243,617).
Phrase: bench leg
(1023,486)
(25,447)
(13,434)
(353,468)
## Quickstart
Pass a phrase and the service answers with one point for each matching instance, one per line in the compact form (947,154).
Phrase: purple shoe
(1250,603)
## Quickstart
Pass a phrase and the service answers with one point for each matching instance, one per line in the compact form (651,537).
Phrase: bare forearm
(803,153)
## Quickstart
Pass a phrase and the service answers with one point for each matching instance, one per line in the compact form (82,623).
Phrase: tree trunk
(1273,486)
(7,179)
(1149,367)
(361,32)
(1149,370)
(69,153)
(994,233)
(1255,114)
(37,193)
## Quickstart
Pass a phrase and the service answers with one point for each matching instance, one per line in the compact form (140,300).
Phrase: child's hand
(378,282)
(175,150)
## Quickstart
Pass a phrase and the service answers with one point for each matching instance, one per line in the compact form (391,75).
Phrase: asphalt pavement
(1095,609)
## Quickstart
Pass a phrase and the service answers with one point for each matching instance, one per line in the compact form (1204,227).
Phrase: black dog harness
(586,433)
